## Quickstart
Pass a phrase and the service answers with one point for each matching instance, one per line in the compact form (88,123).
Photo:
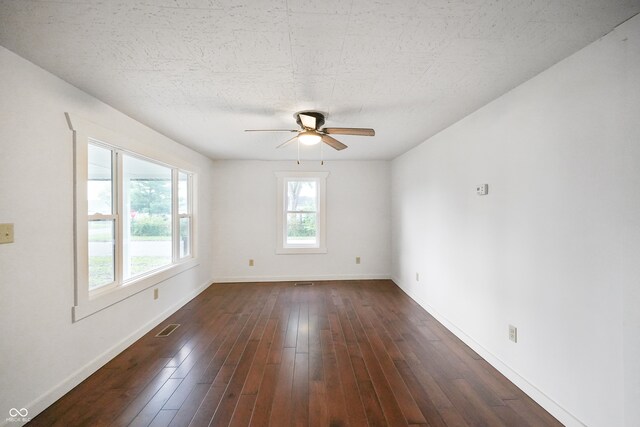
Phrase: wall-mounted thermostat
(482,189)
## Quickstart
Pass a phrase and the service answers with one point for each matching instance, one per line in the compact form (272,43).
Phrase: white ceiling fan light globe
(309,137)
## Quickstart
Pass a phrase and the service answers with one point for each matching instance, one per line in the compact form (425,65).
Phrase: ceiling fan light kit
(309,137)
(311,131)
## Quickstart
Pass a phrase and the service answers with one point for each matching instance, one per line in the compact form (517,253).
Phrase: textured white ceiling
(202,71)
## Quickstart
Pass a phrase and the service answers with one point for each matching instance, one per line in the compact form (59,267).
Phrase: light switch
(6,233)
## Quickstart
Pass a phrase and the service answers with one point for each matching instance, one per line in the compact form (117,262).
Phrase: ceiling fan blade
(350,131)
(308,121)
(270,130)
(332,142)
(288,142)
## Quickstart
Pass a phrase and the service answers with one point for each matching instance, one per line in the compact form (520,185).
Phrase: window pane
(99,193)
(146,217)
(101,253)
(183,193)
(301,229)
(185,237)
(301,196)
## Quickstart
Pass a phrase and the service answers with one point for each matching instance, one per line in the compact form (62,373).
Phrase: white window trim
(321,179)
(87,303)
(189,214)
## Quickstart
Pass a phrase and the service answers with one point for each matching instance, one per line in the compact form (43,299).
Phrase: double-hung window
(301,212)
(134,219)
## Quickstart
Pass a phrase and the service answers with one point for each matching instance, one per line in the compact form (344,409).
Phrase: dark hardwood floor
(342,353)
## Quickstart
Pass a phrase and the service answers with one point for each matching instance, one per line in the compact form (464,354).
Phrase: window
(101,216)
(147,220)
(301,212)
(135,226)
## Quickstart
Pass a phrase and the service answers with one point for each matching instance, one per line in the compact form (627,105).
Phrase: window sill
(299,251)
(110,297)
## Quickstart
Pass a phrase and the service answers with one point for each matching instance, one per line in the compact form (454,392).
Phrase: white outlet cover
(482,189)
(6,233)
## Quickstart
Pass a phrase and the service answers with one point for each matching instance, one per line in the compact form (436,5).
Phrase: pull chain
(321,151)
(298,151)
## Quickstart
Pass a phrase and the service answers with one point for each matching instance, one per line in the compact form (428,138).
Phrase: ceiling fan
(311,131)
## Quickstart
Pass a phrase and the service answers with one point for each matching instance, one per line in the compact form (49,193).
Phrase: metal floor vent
(304,284)
(168,329)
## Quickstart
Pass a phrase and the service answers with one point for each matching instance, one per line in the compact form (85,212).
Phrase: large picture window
(134,219)
(301,212)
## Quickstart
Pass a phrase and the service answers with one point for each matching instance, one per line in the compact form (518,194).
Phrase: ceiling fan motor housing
(318,116)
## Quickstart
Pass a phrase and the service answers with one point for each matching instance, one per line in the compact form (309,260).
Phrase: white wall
(42,353)
(358,222)
(554,248)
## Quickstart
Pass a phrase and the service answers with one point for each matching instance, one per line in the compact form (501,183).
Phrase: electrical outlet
(482,189)
(513,333)
(417,277)
(155,293)
(250,263)
(357,260)
(6,233)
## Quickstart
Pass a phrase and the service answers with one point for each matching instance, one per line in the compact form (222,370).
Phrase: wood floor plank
(302,339)
(338,353)
(353,400)
(472,407)
(336,408)
(256,372)
(141,400)
(193,368)
(164,417)
(530,410)
(292,327)
(227,406)
(190,405)
(282,399)
(318,411)
(154,406)
(300,390)
(264,399)
(374,412)
(208,406)
(243,411)
(315,347)
(389,404)
(406,402)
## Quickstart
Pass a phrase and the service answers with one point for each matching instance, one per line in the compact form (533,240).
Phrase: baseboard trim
(561,414)
(245,279)
(48,398)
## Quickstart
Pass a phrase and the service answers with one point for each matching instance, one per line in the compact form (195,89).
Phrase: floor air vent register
(168,329)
